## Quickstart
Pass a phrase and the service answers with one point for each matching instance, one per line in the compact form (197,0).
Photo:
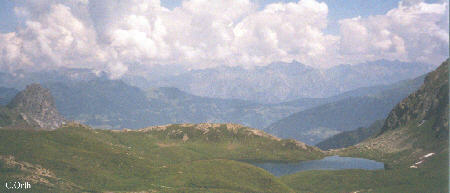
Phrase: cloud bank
(121,36)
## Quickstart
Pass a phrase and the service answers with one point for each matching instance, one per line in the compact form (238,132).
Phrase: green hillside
(349,138)
(430,179)
(9,118)
(171,158)
(413,143)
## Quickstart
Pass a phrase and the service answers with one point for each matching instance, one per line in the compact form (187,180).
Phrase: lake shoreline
(328,163)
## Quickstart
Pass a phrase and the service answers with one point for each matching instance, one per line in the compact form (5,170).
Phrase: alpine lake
(327,163)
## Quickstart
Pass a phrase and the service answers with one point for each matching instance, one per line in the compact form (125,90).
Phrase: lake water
(327,163)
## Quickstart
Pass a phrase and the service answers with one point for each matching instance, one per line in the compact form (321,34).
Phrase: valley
(100,102)
(224,96)
(412,144)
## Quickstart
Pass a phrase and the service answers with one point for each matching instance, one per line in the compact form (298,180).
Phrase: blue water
(327,163)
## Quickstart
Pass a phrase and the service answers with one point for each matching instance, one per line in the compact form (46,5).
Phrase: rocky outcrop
(427,103)
(36,106)
(207,127)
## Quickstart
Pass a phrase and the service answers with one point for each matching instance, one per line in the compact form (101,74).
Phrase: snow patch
(421,123)
(428,155)
(422,159)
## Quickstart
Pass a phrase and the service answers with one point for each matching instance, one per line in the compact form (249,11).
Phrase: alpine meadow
(238,96)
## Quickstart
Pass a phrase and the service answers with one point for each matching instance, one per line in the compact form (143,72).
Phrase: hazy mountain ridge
(7,94)
(114,104)
(281,82)
(274,83)
(105,103)
(318,123)
(20,79)
(349,138)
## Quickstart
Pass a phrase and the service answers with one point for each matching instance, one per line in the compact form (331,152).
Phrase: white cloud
(11,53)
(54,39)
(121,36)
(285,32)
(414,31)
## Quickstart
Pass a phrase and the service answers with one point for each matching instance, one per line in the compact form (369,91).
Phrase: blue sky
(7,18)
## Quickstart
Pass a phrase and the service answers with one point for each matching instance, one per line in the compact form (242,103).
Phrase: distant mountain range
(6,95)
(106,103)
(274,83)
(111,104)
(316,124)
(114,104)
(281,82)
(94,99)
(349,138)
(20,79)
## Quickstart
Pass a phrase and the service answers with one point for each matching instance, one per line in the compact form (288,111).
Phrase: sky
(126,36)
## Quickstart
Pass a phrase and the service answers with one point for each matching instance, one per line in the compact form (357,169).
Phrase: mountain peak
(36,106)
(292,64)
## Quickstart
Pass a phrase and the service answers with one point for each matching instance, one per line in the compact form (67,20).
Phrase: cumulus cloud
(122,36)
(414,31)
(284,32)
(53,39)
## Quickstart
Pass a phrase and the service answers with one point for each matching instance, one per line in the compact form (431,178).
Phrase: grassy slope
(349,138)
(10,118)
(101,160)
(398,180)
(414,131)
(431,176)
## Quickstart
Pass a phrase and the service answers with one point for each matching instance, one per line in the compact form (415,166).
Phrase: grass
(101,160)
(83,159)
(400,180)
(431,176)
